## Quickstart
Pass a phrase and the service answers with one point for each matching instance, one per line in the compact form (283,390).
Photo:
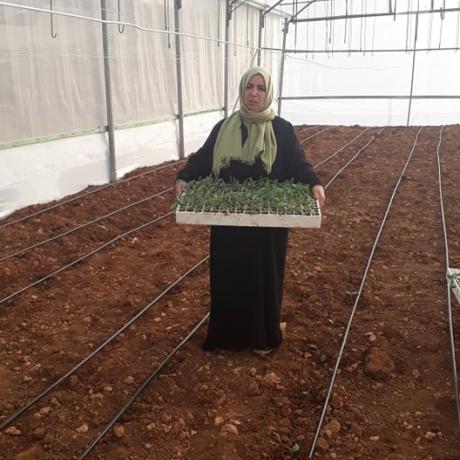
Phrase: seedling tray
(249,204)
(455,281)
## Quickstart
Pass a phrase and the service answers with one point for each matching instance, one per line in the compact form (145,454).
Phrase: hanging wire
(346,22)
(121,27)
(430,29)
(235,32)
(53,33)
(350,39)
(458,29)
(408,23)
(326,26)
(307,29)
(394,15)
(365,28)
(218,21)
(332,35)
(314,33)
(166,17)
(374,25)
(442,13)
(247,24)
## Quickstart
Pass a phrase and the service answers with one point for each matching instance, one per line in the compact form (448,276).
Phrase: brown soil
(393,397)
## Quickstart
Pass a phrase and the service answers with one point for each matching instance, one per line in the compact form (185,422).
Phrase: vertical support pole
(228,16)
(283,58)
(180,109)
(259,40)
(108,94)
(413,70)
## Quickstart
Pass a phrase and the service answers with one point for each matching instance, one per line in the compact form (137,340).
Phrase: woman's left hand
(318,194)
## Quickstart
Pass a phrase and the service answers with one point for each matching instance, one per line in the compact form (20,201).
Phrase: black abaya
(247,263)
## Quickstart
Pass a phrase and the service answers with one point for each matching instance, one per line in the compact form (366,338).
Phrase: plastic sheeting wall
(48,85)
(54,87)
(374,73)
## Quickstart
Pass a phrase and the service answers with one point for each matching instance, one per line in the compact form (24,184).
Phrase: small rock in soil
(271,378)
(119,431)
(416,373)
(13,431)
(377,364)
(38,433)
(229,428)
(83,428)
(45,410)
(218,420)
(333,426)
(322,445)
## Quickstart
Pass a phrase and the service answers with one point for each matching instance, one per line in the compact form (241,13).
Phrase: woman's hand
(318,194)
(179,186)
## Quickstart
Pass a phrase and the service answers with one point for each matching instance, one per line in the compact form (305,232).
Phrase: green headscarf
(261,141)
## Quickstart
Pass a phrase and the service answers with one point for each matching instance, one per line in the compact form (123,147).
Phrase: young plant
(263,196)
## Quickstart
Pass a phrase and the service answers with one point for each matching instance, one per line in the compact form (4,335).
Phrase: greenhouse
(108,267)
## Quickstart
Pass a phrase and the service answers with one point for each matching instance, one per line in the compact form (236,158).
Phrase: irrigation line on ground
(89,254)
(313,135)
(79,227)
(124,208)
(341,148)
(83,195)
(31,403)
(303,130)
(353,310)
(61,379)
(353,157)
(141,388)
(142,226)
(157,371)
(449,300)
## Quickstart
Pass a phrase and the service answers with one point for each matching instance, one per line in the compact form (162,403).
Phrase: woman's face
(255,93)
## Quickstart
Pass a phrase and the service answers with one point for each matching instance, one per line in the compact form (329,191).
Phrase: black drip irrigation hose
(358,296)
(141,388)
(83,195)
(31,403)
(305,129)
(353,157)
(341,148)
(313,135)
(124,208)
(80,259)
(79,227)
(71,264)
(117,416)
(112,213)
(449,300)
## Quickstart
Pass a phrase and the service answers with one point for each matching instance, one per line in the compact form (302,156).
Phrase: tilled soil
(393,397)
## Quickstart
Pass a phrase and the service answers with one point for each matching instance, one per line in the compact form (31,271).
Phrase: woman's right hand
(179,186)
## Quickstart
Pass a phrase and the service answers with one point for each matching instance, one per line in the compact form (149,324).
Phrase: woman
(247,263)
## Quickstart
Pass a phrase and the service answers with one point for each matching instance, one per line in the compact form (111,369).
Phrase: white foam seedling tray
(250,220)
(455,284)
